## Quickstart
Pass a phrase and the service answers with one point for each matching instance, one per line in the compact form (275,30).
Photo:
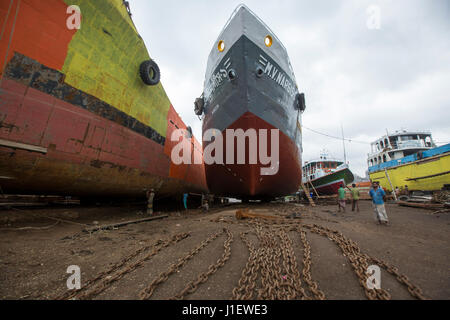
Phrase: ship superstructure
(409,159)
(326,174)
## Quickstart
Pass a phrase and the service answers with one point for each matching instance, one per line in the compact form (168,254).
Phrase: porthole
(221,46)
(268,41)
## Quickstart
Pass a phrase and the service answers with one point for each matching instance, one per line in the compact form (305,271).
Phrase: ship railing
(273,35)
(257,18)
(342,166)
(401,146)
(411,158)
(373,154)
(411,144)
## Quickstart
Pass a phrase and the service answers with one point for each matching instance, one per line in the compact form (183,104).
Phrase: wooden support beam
(120,224)
(315,191)
(23,204)
(430,206)
(22,146)
(246,213)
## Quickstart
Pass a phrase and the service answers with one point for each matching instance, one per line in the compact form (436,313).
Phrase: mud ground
(33,262)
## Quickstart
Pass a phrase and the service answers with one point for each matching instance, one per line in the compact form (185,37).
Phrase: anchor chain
(103,280)
(203,277)
(147,292)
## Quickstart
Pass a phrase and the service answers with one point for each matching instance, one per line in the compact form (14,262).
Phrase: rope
(30,228)
(334,137)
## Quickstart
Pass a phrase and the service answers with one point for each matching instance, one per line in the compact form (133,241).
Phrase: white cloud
(368,80)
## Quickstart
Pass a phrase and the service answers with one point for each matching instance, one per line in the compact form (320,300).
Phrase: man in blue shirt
(185,197)
(378,198)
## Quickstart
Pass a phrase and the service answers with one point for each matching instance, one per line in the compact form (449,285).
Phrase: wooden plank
(430,206)
(120,224)
(23,204)
(315,191)
(16,145)
(333,196)
(246,213)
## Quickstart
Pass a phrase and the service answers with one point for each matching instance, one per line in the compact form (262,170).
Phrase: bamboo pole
(389,179)
(120,224)
(315,191)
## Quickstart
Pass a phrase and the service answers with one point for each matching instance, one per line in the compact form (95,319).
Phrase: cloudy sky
(366,78)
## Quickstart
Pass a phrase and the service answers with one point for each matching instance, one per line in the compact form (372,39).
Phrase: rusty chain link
(290,264)
(313,286)
(272,259)
(271,271)
(247,282)
(203,277)
(104,280)
(358,261)
(147,292)
(413,290)
(273,263)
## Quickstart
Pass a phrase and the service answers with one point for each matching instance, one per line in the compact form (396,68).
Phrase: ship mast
(343,143)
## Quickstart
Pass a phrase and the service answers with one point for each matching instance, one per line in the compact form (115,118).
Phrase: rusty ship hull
(75,116)
(250,85)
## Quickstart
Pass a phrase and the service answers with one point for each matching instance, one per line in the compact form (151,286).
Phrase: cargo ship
(326,174)
(409,158)
(82,108)
(250,86)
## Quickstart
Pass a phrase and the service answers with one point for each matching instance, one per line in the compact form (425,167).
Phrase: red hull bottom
(331,188)
(85,155)
(245,181)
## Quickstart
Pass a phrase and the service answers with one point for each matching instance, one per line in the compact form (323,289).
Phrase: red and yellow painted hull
(75,117)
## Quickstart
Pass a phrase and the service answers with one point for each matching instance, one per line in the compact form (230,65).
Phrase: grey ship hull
(250,89)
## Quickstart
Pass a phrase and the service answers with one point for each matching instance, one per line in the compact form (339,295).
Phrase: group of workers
(377,195)
(204,203)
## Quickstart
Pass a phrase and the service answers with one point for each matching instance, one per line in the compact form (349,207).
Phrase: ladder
(305,189)
(315,191)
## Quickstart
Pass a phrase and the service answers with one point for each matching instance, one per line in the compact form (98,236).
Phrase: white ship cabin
(315,169)
(398,145)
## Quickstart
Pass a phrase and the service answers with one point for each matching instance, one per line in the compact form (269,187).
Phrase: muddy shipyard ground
(298,252)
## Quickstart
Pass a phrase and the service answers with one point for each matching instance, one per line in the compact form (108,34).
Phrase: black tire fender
(149,72)
(189,132)
(300,102)
(199,106)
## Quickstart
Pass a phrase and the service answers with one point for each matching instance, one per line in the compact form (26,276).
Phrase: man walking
(355,197)
(378,198)
(341,198)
